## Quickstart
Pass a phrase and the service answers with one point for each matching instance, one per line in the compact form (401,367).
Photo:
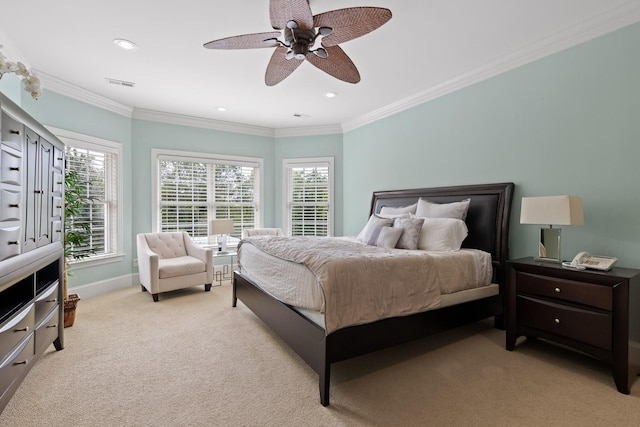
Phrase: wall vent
(120,82)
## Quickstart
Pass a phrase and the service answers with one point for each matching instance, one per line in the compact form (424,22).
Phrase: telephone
(584,260)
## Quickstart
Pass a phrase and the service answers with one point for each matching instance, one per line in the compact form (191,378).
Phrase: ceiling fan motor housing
(300,40)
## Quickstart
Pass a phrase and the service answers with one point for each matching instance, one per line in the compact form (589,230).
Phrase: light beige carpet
(193,360)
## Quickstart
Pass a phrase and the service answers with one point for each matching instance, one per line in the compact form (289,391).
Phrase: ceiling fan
(297,32)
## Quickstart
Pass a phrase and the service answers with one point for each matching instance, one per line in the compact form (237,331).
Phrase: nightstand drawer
(567,290)
(589,327)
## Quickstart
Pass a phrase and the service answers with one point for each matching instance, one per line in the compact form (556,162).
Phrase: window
(96,163)
(309,187)
(193,188)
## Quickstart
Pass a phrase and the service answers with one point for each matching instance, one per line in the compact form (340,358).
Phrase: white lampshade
(220,226)
(552,210)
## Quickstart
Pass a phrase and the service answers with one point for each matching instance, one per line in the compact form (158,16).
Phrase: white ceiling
(429,48)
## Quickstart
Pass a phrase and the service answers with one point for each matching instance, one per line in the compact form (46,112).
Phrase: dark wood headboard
(487,218)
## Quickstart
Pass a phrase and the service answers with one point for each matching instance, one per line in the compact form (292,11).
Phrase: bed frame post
(324,377)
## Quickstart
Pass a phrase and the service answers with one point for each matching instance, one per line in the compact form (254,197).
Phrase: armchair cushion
(173,267)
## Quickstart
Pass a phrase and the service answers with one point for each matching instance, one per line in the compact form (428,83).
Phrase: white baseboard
(105,286)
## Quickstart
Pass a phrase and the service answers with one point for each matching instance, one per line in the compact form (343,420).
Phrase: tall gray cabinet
(31,244)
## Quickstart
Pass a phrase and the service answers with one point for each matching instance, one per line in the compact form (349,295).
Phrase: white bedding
(432,275)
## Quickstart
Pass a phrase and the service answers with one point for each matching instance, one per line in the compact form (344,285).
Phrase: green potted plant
(76,235)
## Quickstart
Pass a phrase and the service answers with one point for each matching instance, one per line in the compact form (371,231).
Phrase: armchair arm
(203,254)
(147,265)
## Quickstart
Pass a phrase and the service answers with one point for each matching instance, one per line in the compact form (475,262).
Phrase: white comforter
(357,283)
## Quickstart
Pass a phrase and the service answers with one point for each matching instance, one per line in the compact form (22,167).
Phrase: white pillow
(371,230)
(442,234)
(427,209)
(389,211)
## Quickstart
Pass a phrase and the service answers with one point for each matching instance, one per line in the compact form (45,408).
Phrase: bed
(487,221)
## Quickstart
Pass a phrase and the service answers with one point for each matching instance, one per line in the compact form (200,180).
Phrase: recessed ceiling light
(125,44)
(221,109)
(331,94)
(301,116)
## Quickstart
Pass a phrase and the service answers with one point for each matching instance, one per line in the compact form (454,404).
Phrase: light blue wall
(148,135)
(566,124)
(305,147)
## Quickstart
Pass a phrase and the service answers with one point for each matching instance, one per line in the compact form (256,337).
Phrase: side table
(224,274)
(596,312)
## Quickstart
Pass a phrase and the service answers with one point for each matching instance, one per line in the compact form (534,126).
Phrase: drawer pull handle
(24,362)
(14,168)
(14,205)
(52,326)
(12,242)
(557,290)
(52,300)
(15,132)
(25,329)
(557,321)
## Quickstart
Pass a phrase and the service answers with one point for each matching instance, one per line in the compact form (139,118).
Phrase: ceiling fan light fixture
(321,52)
(325,31)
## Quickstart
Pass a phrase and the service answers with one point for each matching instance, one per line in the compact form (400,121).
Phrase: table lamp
(552,210)
(221,228)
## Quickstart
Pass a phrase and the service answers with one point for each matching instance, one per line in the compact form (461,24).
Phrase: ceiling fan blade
(279,68)
(283,11)
(246,41)
(350,23)
(336,64)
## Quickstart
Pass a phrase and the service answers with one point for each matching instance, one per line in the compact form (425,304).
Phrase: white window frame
(287,165)
(190,156)
(81,141)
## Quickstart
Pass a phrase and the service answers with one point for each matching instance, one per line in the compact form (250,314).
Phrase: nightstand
(596,312)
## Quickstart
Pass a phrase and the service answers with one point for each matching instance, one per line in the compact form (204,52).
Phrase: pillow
(442,234)
(427,209)
(411,232)
(371,230)
(390,211)
(389,236)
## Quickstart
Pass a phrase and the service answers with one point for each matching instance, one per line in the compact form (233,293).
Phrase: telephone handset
(584,260)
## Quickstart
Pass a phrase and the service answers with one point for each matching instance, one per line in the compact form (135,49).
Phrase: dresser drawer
(47,331)
(46,301)
(590,327)
(9,241)
(12,132)
(16,329)
(10,168)
(598,296)
(15,365)
(10,205)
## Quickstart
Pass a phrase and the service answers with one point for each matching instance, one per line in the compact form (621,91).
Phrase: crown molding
(309,131)
(607,22)
(70,90)
(182,120)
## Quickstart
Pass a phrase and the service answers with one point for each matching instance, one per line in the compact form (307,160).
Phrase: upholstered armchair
(250,232)
(171,260)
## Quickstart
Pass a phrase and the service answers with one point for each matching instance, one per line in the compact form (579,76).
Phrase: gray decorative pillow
(457,210)
(411,232)
(371,230)
(389,236)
